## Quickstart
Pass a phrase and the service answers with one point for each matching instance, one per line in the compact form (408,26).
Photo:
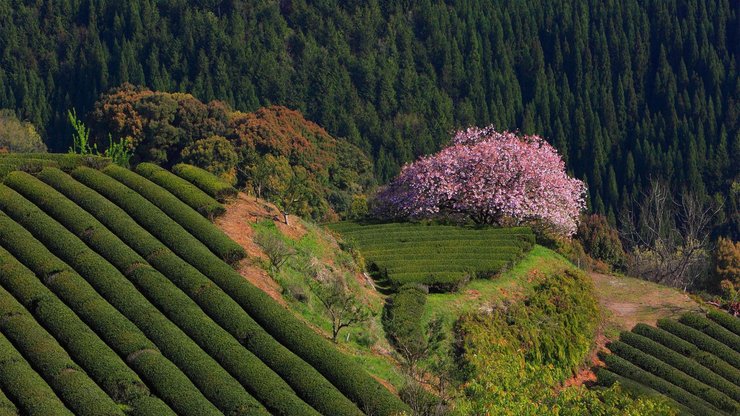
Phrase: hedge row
(688,349)
(607,378)
(260,380)
(25,386)
(65,161)
(186,191)
(122,335)
(206,181)
(267,386)
(98,359)
(675,376)
(393,226)
(183,214)
(701,340)
(682,363)
(213,381)
(345,374)
(713,329)
(7,408)
(80,393)
(402,316)
(624,368)
(728,321)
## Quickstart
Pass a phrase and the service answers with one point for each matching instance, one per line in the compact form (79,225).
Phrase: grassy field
(694,361)
(439,256)
(119,299)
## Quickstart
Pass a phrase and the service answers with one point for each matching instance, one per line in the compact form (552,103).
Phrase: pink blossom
(489,175)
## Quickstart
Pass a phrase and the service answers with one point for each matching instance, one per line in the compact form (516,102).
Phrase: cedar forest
(626,91)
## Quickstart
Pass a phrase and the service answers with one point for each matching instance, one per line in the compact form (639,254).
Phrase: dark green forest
(626,90)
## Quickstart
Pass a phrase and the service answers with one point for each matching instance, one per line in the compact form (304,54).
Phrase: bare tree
(341,304)
(669,237)
(276,249)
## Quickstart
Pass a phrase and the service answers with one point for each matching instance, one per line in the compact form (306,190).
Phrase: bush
(675,376)
(188,218)
(215,154)
(688,349)
(712,329)
(265,384)
(87,349)
(601,240)
(402,322)
(679,361)
(701,340)
(726,320)
(340,370)
(624,368)
(726,261)
(206,181)
(77,390)
(25,387)
(184,190)
(128,340)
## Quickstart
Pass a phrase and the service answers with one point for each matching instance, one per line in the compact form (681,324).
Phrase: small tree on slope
(488,176)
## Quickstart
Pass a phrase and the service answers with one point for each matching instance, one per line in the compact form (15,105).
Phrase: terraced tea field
(117,297)
(439,256)
(694,361)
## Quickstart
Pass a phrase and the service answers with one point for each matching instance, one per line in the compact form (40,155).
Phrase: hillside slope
(126,307)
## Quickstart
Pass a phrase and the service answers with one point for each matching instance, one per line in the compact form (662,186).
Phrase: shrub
(681,362)
(712,329)
(188,218)
(688,349)
(677,377)
(726,261)
(402,322)
(128,340)
(98,360)
(215,154)
(601,240)
(624,368)
(268,387)
(26,388)
(206,181)
(701,340)
(77,390)
(339,369)
(726,320)
(184,190)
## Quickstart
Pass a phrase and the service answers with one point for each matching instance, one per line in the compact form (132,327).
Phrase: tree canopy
(625,90)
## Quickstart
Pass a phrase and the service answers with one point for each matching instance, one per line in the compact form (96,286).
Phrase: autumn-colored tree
(489,177)
(601,240)
(727,261)
(18,136)
(214,154)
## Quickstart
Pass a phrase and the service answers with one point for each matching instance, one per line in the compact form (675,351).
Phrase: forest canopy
(627,91)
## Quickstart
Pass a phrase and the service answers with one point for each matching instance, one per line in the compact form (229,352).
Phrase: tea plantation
(439,256)
(117,297)
(695,361)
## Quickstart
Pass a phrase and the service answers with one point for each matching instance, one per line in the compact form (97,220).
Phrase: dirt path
(628,301)
(237,224)
(625,302)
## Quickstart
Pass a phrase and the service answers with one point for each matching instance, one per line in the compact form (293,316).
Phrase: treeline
(625,90)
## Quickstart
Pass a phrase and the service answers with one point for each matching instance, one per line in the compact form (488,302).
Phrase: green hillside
(439,256)
(695,361)
(117,298)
